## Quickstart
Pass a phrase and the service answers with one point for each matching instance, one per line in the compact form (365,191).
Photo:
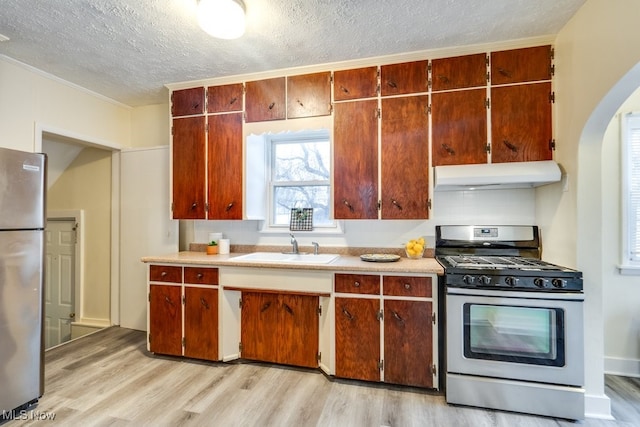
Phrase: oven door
(531,336)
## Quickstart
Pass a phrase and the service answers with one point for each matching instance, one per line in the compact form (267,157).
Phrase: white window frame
(630,135)
(335,226)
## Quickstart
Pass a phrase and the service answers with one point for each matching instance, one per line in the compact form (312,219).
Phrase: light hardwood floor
(109,379)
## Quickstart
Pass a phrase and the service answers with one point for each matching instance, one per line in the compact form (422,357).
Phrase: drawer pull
(168,300)
(356,284)
(407,286)
(164,273)
(204,303)
(346,313)
(289,310)
(200,275)
(265,306)
(397,316)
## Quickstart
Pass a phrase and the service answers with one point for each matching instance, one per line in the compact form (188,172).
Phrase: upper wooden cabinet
(459,133)
(405,157)
(187,102)
(459,72)
(309,95)
(405,78)
(265,100)
(224,170)
(188,160)
(355,84)
(521,65)
(355,160)
(521,123)
(225,98)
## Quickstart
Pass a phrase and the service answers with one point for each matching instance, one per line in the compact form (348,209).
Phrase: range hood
(496,175)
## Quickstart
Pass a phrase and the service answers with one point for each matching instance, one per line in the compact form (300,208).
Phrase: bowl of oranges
(414,248)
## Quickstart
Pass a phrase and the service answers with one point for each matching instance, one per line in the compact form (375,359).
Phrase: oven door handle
(499,293)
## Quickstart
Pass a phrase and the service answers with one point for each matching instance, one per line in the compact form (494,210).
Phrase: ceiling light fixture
(223,19)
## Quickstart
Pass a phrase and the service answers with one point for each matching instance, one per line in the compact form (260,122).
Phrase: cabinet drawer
(201,276)
(358,284)
(165,273)
(402,286)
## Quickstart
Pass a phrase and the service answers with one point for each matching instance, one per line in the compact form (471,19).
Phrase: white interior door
(59,281)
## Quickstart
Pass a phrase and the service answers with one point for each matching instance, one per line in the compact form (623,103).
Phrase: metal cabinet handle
(395,203)
(356,284)
(289,310)
(344,89)
(299,102)
(273,104)
(233,101)
(448,149)
(204,303)
(392,84)
(346,202)
(510,146)
(443,79)
(407,286)
(397,316)
(164,273)
(168,300)
(229,206)
(194,205)
(346,313)
(504,72)
(200,275)
(265,306)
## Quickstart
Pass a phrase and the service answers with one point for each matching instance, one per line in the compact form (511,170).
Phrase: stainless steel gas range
(514,323)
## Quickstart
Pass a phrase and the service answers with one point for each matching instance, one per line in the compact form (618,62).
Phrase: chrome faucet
(316,246)
(294,242)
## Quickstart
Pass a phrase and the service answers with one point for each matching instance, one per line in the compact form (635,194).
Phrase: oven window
(516,334)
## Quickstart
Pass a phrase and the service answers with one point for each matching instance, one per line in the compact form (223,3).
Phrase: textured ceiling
(128,50)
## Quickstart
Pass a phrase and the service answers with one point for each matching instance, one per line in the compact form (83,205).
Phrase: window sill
(264,228)
(629,270)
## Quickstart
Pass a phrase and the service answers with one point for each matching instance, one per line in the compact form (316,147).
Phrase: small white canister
(223,246)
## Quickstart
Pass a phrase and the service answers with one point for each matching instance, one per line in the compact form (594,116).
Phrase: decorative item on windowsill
(212,248)
(415,248)
(301,219)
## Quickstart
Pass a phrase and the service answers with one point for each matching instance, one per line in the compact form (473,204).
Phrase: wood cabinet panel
(280,328)
(405,157)
(459,121)
(225,98)
(265,100)
(521,65)
(165,319)
(201,275)
(165,273)
(357,283)
(405,286)
(521,123)
(355,84)
(459,72)
(404,78)
(225,166)
(188,168)
(187,102)
(201,323)
(408,338)
(357,338)
(259,321)
(309,95)
(356,160)
(298,330)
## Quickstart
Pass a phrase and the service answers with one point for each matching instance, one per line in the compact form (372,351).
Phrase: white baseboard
(623,367)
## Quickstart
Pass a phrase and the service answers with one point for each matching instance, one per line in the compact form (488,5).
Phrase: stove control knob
(559,283)
(468,279)
(485,280)
(540,282)
(511,281)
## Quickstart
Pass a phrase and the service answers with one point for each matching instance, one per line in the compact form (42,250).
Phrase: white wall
(595,55)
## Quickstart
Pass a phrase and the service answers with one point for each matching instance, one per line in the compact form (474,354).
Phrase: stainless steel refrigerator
(22,223)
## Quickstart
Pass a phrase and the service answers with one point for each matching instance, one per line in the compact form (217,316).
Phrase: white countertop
(343,263)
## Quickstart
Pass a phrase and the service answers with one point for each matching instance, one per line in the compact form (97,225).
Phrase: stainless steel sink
(285,258)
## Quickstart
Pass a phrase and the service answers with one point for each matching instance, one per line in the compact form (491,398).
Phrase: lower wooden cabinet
(188,302)
(387,334)
(280,328)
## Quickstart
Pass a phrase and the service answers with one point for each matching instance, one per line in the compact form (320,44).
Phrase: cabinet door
(201,323)
(298,330)
(165,319)
(408,343)
(260,317)
(357,338)
(187,102)
(224,98)
(355,84)
(521,65)
(459,121)
(265,100)
(188,178)
(405,157)
(401,79)
(521,123)
(309,95)
(356,160)
(225,166)
(459,72)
